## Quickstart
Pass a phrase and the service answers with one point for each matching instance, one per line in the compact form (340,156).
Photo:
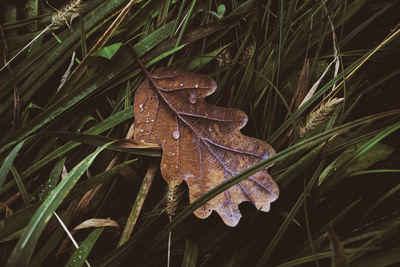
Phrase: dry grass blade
(95,222)
(334,44)
(25,47)
(316,84)
(137,207)
(67,72)
(393,34)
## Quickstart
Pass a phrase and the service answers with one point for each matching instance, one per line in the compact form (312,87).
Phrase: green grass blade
(80,255)
(190,255)
(26,244)
(5,167)
(21,186)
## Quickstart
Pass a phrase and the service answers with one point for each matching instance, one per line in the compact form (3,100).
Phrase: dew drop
(196,85)
(192,98)
(175,135)
(141,130)
(147,121)
(142,140)
(152,120)
(209,129)
(163,141)
(181,84)
(173,154)
(205,114)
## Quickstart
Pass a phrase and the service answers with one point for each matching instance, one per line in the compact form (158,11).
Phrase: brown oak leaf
(201,143)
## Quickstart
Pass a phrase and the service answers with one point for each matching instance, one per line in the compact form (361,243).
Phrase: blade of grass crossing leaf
(80,255)
(262,165)
(5,167)
(26,244)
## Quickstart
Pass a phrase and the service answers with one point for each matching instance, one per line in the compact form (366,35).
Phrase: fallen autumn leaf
(201,143)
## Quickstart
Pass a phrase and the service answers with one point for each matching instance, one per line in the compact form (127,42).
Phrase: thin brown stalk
(137,206)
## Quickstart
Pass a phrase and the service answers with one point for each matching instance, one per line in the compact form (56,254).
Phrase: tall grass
(63,148)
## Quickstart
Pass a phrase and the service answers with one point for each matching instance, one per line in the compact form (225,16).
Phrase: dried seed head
(247,52)
(224,58)
(66,15)
(172,196)
(318,116)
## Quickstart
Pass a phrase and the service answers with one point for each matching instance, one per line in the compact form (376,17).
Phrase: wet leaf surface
(201,143)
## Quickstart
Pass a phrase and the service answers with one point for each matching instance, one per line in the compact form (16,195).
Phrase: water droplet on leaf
(175,135)
(192,98)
